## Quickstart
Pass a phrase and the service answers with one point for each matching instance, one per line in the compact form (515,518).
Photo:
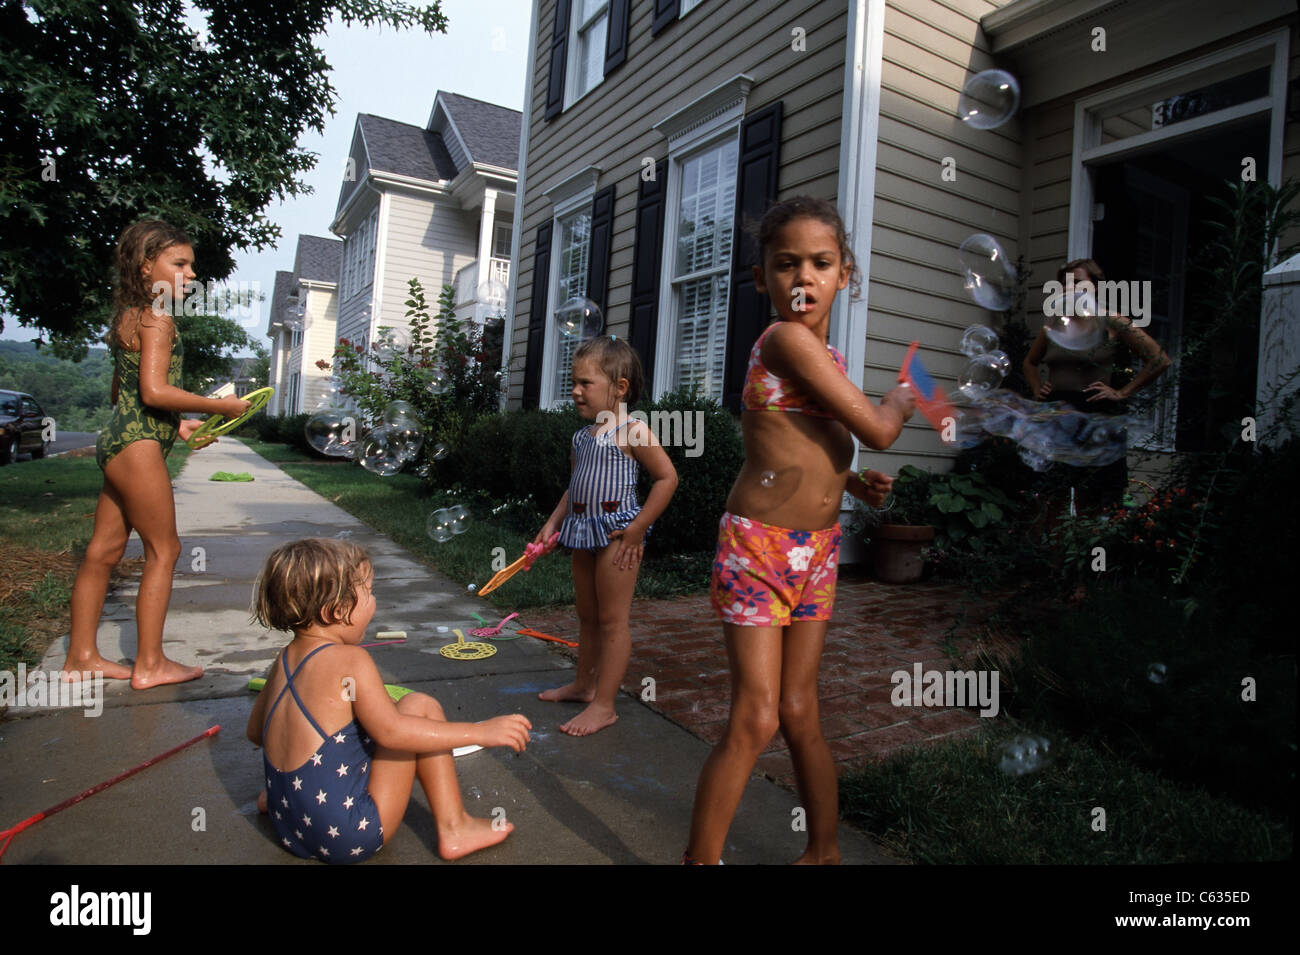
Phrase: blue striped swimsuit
(602,490)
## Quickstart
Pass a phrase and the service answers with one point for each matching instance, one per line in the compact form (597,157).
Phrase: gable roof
(279,298)
(405,149)
(490,132)
(318,259)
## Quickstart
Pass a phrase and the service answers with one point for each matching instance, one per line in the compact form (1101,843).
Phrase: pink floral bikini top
(764,391)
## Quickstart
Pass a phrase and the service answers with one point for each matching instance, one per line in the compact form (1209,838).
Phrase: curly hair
(311,581)
(780,214)
(138,245)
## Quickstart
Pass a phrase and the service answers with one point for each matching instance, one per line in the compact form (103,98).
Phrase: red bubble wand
(8,834)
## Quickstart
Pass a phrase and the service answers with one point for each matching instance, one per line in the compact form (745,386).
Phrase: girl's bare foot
(831,857)
(470,834)
(169,671)
(72,669)
(591,720)
(569,692)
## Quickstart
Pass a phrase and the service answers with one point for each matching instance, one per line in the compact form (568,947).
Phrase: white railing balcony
(467,279)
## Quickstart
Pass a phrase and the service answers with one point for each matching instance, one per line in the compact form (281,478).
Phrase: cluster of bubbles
(447,522)
(579,319)
(384,449)
(1023,754)
(1046,432)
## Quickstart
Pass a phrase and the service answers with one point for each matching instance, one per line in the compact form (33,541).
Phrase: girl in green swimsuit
(151,256)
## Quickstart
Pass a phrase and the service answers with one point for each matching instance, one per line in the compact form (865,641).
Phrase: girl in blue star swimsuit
(599,518)
(339,757)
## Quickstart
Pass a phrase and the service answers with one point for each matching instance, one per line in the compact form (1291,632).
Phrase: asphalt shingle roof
(279,296)
(318,259)
(490,132)
(405,149)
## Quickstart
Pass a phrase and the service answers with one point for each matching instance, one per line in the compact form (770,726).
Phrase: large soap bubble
(978,340)
(459,516)
(436,381)
(397,410)
(982,375)
(393,341)
(989,99)
(1074,321)
(579,318)
(380,452)
(406,437)
(331,432)
(987,275)
(438,525)
(491,295)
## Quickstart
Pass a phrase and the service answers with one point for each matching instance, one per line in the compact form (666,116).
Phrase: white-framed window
(502,234)
(699,231)
(702,225)
(588,26)
(571,256)
(372,240)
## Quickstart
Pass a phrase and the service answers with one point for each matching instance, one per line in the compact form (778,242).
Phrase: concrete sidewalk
(623,795)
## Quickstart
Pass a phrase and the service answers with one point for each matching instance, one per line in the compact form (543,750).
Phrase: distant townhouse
(434,203)
(302,325)
(655,129)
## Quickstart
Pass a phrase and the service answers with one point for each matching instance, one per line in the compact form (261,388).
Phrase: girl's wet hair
(138,245)
(616,359)
(1088,265)
(781,214)
(312,581)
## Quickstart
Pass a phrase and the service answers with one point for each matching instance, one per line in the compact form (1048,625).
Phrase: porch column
(487,226)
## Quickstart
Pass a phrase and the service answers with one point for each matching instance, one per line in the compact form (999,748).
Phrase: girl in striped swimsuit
(599,518)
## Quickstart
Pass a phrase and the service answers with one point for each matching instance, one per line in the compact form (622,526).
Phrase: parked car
(22,427)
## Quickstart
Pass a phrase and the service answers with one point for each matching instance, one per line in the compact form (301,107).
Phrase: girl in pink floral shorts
(773,580)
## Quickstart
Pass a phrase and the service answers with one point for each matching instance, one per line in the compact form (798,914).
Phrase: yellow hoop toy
(461,650)
(218,425)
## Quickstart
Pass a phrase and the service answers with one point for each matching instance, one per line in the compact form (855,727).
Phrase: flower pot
(896,552)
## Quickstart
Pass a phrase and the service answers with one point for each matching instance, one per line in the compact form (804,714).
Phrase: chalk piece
(391,635)
(466,750)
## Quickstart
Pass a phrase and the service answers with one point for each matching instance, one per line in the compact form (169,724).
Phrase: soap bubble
(406,435)
(968,430)
(1075,332)
(331,432)
(981,376)
(331,395)
(393,341)
(472,587)
(1023,754)
(439,526)
(437,381)
(978,340)
(397,410)
(459,518)
(579,318)
(998,360)
(380,453)
(989,99)
(987,274)
(767,478)
(439,451)
(1157,672)
(423,470)
(1034,460)
(492,296)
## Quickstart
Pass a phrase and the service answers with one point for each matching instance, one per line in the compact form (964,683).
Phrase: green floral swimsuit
(132,419)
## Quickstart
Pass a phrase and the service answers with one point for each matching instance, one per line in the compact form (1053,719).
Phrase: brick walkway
(878,628)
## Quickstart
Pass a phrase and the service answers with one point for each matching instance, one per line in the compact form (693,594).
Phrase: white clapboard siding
(426,239)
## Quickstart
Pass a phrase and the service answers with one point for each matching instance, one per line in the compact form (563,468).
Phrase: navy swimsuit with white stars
(322,810)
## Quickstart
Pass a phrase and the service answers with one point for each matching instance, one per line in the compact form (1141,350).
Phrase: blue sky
(395,74)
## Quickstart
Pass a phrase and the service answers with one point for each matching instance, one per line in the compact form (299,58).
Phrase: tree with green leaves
(115,111)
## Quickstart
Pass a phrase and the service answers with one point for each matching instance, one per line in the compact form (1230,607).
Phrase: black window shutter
(559,57)
(537,315)
(646,263)
(599,245)
(620,13)
(760,153)
(666,12)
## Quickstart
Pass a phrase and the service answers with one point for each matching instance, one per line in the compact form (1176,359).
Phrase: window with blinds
(592,26)
(702,267)
(574,258)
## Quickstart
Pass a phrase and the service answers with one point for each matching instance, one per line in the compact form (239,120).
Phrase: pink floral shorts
(765,576)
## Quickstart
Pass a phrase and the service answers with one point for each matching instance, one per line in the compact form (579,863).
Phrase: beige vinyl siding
(612,126)
(428,239)
(318,343)
(920,220)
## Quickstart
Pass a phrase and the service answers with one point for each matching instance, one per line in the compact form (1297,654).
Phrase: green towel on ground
(227,476)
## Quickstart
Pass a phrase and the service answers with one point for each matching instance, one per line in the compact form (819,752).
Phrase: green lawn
(399,507)
(47,507)
(949,803)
